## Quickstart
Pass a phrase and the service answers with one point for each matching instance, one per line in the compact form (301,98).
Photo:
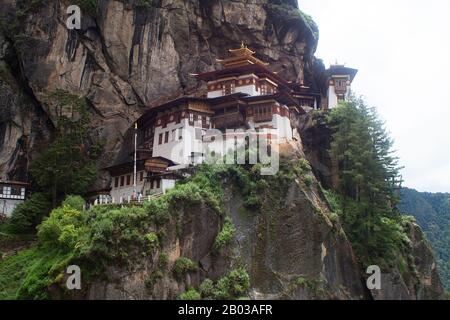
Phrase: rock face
(127,56)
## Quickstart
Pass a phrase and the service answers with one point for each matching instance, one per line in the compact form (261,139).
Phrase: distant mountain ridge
(432,212)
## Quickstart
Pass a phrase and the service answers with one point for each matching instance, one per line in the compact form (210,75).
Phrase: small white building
(12,193)
(339,84)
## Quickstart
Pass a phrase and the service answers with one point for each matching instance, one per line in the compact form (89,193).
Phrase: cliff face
(127,56)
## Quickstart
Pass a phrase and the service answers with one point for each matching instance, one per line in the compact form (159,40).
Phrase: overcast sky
(402,51)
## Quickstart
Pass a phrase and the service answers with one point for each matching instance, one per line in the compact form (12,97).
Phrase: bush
(184,265)
(27,215)
(63,228)
(75,202)
(231,286)
(152,240)
(153,278)
(225,235)
(308,180)
(207,288)
(191,294)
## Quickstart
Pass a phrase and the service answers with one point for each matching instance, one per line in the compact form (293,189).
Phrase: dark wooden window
(142,176)
(160,138)
(158,183)
(166,137)
(128,179)
(116,182)
(122,181)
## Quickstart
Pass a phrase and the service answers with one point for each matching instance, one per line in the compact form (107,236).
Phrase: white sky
(402,51)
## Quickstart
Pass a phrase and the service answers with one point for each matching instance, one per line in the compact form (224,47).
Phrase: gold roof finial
(243,46)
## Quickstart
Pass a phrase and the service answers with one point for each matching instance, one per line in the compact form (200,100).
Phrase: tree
(368,179)
(69,165)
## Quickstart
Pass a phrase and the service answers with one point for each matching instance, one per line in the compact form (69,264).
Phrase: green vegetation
(29,214)
(225,235)
(153,278)
(369,178)
(315,287)
(432,212)
(191,294)
(231,286)
(182,266)
(24,275)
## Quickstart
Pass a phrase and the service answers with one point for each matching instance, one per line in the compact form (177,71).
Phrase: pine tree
(369,177)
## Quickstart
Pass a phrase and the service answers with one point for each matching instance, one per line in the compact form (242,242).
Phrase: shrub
(152,240)
(184,265)
(308,180)
(191,294)
(233,285)
(304,165)
(63,228)
(153,278)
(225,235)
(75,202)
(27,215)
(207,288)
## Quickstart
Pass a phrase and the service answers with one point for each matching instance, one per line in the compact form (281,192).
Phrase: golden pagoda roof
(241,57)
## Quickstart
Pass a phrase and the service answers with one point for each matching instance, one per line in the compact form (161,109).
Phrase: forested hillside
(432,211)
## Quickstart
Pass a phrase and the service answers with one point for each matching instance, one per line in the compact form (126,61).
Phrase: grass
(23,275)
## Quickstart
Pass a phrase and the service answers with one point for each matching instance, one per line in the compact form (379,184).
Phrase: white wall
(214,94)
(179,151)
(7,206)
(332,97)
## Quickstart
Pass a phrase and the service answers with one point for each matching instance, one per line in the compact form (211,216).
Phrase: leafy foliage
(184,265)
(225,235)
(191,294)
(27,215)
(231,286)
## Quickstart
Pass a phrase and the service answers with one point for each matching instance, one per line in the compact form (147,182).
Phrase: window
(191,119)
(141,176)
(263,89)
(208,121)
(166,137)
(7,191)
(116,182)
(122,181)
(158,183)
(180,134)
(128,179)
(152,185)
(160,138)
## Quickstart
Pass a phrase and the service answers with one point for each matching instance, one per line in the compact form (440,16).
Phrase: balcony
(228,120)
